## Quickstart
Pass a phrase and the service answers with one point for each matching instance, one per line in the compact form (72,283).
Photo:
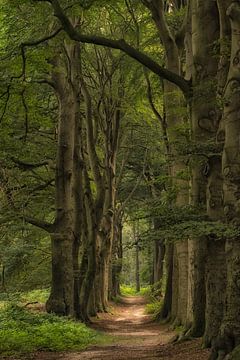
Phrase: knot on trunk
(236,59)
(232,173)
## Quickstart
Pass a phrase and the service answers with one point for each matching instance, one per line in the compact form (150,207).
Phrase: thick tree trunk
(91,227)
(159,254)
(167,302)
(230,329)
(205,31)
(182,258)
(106,254)
(216,262)
(61,300)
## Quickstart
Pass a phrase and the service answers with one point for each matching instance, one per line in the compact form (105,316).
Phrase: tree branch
(43,39)
(28,166)
(161,119)
(40,223)
(122,45)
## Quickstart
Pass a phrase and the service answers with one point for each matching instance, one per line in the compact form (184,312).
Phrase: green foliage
(39,295)
(21,298)
(214,230)
(22,331)
(154,296)
(128,290)
(154,307)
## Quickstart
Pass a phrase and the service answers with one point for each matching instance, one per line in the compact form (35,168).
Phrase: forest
(120,170)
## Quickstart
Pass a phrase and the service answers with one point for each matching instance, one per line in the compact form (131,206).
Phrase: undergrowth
(154,307)
(155,299)
(128,290)
(37,295)
(23,331)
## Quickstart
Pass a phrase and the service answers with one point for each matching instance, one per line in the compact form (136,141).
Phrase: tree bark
(204,126)
(230,329)
(61,300)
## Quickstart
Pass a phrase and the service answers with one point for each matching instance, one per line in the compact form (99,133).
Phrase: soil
(135,335)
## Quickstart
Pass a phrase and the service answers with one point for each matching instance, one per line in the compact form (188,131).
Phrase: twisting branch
(161,119)
(122,45)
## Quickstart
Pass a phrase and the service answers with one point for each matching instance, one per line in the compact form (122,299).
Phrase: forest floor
(135,337)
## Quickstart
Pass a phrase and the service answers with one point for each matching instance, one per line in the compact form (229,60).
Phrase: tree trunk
(216,263)
(167,302)
(137,270)
(159,254)
(117,256)
(205,31)
(61,300)
(230,329)
(172,100)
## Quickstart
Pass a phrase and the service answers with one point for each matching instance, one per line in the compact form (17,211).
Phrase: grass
(22,331)
(128,290)
(40,295)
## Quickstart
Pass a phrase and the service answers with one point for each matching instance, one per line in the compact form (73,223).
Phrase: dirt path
(137,337)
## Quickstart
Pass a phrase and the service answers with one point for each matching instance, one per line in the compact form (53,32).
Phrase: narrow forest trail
(136,337)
